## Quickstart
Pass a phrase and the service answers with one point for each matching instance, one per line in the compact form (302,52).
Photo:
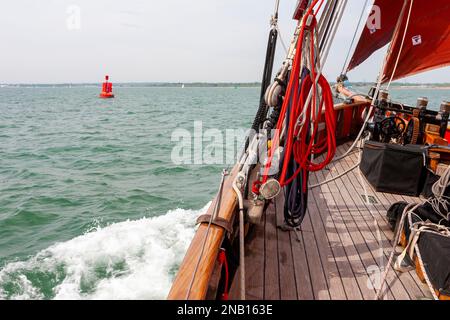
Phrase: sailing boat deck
(337,252)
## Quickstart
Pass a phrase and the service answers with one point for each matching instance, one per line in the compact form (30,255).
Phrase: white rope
(354,37)
(238,192)
(441,203)
(335,178)
(375,96)
(336,22)
(417,229)
(424,272)
(277,7)
(283,44)
(211,219)
(408,208)
(412,248)
(441,185)
(401,46)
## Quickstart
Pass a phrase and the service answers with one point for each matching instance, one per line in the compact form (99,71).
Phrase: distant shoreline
(424,87)
(140,85)
(432,86)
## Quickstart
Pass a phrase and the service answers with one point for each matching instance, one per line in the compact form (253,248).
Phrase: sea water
(92,205)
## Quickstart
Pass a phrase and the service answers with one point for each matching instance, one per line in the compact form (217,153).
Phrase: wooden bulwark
(340,252)
(206,261)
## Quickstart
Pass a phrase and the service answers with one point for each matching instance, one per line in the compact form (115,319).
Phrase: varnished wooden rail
(345,106)
(180,287)
(348,93)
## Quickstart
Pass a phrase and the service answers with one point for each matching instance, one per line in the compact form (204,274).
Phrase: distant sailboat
(182,86)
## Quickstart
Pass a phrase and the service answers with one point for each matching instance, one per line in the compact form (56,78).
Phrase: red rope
(224,262)
(303,142)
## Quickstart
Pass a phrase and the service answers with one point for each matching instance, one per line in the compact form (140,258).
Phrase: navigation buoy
(106,89)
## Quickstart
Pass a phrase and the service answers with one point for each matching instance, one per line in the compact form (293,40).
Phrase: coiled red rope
(303,139)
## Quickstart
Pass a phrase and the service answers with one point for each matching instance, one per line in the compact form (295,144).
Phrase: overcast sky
(149,40)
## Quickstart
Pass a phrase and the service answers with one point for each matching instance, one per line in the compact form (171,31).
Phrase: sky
(79,41)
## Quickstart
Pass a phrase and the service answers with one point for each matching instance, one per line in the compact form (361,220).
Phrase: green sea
(91,204)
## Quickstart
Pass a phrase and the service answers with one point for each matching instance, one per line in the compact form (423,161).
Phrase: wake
(127,260)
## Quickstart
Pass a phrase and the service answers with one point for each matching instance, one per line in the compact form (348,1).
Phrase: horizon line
(196,83)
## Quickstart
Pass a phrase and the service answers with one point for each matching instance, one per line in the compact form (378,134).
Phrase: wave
(127,260)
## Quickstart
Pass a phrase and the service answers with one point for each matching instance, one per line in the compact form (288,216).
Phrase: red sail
(426,45)
(378,31)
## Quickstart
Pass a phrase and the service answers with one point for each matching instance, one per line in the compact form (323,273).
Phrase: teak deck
(337,255)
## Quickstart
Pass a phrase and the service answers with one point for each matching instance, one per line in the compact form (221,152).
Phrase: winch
(401,124)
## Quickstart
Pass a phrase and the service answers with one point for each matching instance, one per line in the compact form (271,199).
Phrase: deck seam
(329,243)
(371,231)
(359,260)
(383,217)
(358,229)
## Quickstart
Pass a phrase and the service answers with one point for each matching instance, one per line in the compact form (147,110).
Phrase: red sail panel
(300,9)
(378,31)
(427,42)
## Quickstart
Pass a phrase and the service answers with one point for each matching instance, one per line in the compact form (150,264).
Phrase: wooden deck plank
(254,251)
(336,268)
(360,224)
(385,229)
(288,284)
(317,269)
(339,211)
(411,283)
(339,244)
(365,223)
(271,270)
(301,269)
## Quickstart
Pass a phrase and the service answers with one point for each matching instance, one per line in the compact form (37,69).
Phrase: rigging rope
(212,218)
(410,207)
(308,102)
(377,90)
(439,203)
(375,96)
(401,46)
(285,48)
(344,72)
(239,194)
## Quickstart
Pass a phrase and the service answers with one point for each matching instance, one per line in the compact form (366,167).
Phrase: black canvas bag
(430,180)
(434,250)
(394,214)
(393,168)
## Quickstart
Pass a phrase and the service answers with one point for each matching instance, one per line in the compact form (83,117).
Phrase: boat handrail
(206,261)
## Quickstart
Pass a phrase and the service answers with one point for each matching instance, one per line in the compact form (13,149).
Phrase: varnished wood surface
(343,244)
(348,93)
(181,285)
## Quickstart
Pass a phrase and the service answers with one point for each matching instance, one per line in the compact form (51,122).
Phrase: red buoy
(106,89)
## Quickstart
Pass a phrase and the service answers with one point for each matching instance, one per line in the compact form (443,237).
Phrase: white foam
(127,260)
